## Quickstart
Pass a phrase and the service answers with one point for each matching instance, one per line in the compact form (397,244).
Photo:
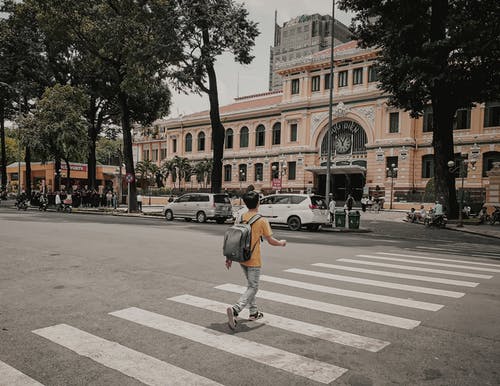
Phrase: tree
(60,126)
(147,171)
(134,43)
(438,51)
(178,167)
(23,70)
(202,171)
(108,151)
(209,29)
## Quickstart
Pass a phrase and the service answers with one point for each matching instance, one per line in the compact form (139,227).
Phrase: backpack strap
(250,222)
(253,219)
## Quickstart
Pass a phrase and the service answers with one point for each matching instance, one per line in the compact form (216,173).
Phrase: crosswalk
(413,279)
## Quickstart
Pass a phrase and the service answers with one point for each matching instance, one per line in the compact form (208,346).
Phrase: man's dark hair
(251,199)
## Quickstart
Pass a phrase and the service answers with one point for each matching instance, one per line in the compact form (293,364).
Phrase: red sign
(276,183)
(129,178)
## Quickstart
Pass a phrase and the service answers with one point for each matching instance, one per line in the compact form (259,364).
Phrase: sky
(253,78)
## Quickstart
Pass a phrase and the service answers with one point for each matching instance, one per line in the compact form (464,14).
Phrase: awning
(337,169)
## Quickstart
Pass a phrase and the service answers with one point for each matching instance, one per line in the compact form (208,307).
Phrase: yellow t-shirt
(260,228)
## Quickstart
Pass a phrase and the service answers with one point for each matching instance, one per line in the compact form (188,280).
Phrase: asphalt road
(105,300)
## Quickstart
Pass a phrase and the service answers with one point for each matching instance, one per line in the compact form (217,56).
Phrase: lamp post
(462,167)
(330,111)
(392,172)
(281,169)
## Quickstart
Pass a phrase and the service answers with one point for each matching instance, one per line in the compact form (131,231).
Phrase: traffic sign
(129,178)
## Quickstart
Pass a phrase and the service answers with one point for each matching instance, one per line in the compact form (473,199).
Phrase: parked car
(201,207)
(295,210)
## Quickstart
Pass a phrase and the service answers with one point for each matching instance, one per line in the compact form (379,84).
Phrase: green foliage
(108,151)
(227,29)
(58,120)
(413,62)
(146,171)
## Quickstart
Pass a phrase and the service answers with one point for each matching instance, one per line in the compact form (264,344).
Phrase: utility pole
(330,112)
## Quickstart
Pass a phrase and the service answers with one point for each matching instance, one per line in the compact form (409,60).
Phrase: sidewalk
(398,216)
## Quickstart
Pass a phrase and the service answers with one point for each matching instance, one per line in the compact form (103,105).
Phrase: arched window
(277,133)
(229,139)
(244,137)
(201,141)
(188,143)
(260,136)
(227,173)
(488,159)
(259,172)
(243,172)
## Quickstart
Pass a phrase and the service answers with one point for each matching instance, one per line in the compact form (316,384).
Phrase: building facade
(278,140)
(44,175)
(299,38)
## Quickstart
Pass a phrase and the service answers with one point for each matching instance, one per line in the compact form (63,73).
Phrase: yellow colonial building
(277,140)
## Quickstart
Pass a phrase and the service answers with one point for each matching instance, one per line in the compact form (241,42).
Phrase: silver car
(201,207)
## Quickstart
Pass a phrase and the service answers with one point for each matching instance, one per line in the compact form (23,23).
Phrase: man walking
(251,268)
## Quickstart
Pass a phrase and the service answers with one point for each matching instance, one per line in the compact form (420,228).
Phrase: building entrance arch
(348,162)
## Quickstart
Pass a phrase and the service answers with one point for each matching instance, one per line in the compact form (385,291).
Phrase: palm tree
(168,168)
(146,170)
(203,170)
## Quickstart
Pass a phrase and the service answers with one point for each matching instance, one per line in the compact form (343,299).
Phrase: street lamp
(462,167)
(330,110)
(281,171)
(392,172)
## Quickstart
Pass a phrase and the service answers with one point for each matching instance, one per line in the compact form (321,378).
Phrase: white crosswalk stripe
(430,279)
(439,259)
(296,326)
(270,356)
(376,283)
(354,294)
(355,313)
(148,370)
(430,263)
(412,268)
(9,376)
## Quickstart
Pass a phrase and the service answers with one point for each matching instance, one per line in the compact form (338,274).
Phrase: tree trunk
(57,175)
(217,126)
(95,124)
(3,161)
(444,152)
(444,108)
(69,188)
(127,149)
(217,131)
(27,162)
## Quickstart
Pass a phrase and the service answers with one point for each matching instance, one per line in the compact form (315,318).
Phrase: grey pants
(248,297)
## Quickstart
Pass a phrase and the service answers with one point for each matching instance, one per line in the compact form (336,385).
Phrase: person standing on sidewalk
(139,202)
(252,267)
(331,209)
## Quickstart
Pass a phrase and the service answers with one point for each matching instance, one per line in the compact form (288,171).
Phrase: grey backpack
(238,239)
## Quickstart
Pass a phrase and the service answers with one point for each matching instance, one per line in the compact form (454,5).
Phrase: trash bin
(340,219)
(354,217)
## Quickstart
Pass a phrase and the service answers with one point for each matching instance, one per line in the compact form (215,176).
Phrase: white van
(201,207)
(295,210)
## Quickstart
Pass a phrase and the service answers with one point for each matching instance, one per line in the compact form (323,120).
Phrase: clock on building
(343,143)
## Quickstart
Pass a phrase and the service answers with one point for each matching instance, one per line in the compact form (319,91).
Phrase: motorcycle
(438,221)
(43,204)
(22,204)
(495,216)
(67,206)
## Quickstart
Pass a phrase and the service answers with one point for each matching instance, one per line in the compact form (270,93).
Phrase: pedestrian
(114,198)
(349,202)
(364,203)
(58,202)
(109,198)
(331,209)
(139,202)
(252,267)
